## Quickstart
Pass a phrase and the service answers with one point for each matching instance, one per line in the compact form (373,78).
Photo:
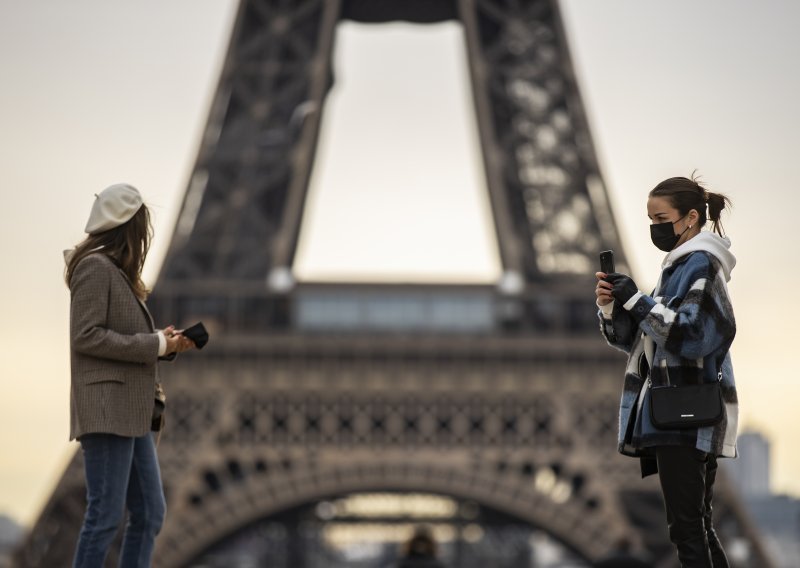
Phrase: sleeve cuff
(632,301)
(640,307)
(607,310)
(162,343)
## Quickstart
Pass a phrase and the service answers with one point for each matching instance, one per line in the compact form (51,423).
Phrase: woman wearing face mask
(679,335)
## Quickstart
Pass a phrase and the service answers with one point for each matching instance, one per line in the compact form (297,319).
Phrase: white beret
(112,207)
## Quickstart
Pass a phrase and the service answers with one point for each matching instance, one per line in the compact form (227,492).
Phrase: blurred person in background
(420,550)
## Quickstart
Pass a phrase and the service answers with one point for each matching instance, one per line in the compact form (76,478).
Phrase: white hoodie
(710,243)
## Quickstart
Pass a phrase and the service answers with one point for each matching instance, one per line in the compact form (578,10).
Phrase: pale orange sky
(97,92)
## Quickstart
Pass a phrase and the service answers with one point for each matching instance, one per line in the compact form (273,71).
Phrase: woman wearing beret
(114,353)
(679,335)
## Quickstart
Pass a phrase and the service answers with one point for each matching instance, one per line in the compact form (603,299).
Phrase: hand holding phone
(604,288)
(197,333)
(607,261)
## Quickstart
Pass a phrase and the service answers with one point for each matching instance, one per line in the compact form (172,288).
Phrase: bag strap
(645,340)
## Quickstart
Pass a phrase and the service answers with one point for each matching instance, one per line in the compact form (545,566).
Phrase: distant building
(10,535)
(751,471)
(778,519)
(777,516)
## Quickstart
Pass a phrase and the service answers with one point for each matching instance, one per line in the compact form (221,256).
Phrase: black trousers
(687,482)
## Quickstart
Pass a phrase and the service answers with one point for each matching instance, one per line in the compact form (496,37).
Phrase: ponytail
(717,203)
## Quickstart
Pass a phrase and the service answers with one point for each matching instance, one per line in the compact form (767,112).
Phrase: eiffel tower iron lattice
(502,398)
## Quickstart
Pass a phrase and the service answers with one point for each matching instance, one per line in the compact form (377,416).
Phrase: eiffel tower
(492,407)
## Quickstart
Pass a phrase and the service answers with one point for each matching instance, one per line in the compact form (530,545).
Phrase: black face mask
(663,235)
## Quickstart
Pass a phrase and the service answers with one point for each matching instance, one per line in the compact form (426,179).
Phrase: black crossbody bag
(687,406)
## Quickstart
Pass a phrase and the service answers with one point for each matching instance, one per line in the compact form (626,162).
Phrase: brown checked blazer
(113,352)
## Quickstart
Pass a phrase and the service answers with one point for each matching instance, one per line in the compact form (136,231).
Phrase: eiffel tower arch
(495,405)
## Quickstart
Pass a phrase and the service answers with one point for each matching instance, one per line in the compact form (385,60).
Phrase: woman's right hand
(603,290)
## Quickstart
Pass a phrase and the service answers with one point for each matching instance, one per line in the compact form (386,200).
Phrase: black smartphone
(607,261)
(197,333)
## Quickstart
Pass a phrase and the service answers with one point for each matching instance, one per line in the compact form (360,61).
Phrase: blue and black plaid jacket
(686,327)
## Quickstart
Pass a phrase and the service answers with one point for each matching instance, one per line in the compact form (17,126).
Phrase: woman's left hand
(603,290)
(177,343)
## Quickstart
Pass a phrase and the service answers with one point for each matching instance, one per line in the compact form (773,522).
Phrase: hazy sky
(98,91)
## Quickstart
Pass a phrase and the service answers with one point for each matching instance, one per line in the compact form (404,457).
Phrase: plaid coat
(684,330)
(113,353)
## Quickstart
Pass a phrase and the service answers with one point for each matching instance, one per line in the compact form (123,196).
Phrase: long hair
(685,194)
(126,245)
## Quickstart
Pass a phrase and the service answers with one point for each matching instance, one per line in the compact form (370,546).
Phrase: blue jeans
(120,472)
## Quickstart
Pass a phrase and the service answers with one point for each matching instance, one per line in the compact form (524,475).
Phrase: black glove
(624,287)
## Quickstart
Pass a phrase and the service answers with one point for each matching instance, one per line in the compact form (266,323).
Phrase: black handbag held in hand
(197,333)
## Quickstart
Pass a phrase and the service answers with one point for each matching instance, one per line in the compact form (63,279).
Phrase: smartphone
(607,261)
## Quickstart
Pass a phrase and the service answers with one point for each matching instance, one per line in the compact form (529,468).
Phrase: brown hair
(685,194)
(126,246)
